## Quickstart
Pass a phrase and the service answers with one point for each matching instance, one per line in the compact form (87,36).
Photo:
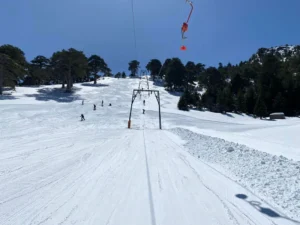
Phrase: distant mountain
(284,53)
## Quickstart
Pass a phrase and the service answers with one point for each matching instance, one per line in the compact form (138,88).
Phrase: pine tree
(164,68)
(12,65)
(260,109)
(200,68)
(250,100)
(228,99)
(175,74)
(224,100)
(190,74)
(134,65)
(237,83)
(196,99)
(240,102)
(96,64)
(209,100)
(294,91)
(123,75)
(279,103)
(183,103)
(107,72)
(188,96)
(212,79)
(118,75)
(39,71)
(221,102)
(69,65)
(154,67)
(269,81)
(200,104)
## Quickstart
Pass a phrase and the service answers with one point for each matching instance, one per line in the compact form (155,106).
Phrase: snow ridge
(276,179)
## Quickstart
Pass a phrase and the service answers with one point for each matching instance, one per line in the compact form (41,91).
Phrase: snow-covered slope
(278,137)
(56,169)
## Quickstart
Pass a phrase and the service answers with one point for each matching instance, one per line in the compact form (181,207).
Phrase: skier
(143,111)
(82,117)
(102,103)
(144,102)
(94,107)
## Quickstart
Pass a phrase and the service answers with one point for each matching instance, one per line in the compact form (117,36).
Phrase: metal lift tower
(138,91)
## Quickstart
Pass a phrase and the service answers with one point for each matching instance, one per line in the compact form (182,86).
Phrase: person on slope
(82,117)
(144,102)
(94,107)
(102,103)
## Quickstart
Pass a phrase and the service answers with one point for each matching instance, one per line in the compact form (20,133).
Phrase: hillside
(58,170)
(284,53)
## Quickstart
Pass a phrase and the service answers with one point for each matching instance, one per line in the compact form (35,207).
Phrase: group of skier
(102,104)
(82,116)
(144,102)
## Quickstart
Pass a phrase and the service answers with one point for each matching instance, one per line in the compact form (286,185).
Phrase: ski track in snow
(55,169)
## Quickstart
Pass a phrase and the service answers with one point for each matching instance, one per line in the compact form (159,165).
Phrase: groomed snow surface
(202,168)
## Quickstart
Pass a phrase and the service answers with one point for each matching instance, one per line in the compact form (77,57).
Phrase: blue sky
(219,30)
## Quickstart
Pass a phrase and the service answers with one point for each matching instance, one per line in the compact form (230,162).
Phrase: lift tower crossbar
(135,92)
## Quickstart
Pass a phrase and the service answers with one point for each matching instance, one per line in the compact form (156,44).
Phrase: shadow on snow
(7,93)
(55,94)
(7,97)
(264,210)
(158,83)
(227,114)
(175,93)
(94,85)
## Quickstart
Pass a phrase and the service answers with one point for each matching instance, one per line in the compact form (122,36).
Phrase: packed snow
(56,169)
(276,179)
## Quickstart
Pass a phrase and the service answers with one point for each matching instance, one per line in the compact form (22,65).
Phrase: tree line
(63,67)
(253,87)
(266,83)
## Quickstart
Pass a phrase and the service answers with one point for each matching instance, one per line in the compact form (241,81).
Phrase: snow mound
(275,179)
(230,149)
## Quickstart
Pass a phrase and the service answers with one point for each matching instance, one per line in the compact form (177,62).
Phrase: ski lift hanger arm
(185,25)
(192,8)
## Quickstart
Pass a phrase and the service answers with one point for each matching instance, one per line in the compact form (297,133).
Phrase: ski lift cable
(134,30)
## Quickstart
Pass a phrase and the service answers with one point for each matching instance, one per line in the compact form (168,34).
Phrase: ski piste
(56,169)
